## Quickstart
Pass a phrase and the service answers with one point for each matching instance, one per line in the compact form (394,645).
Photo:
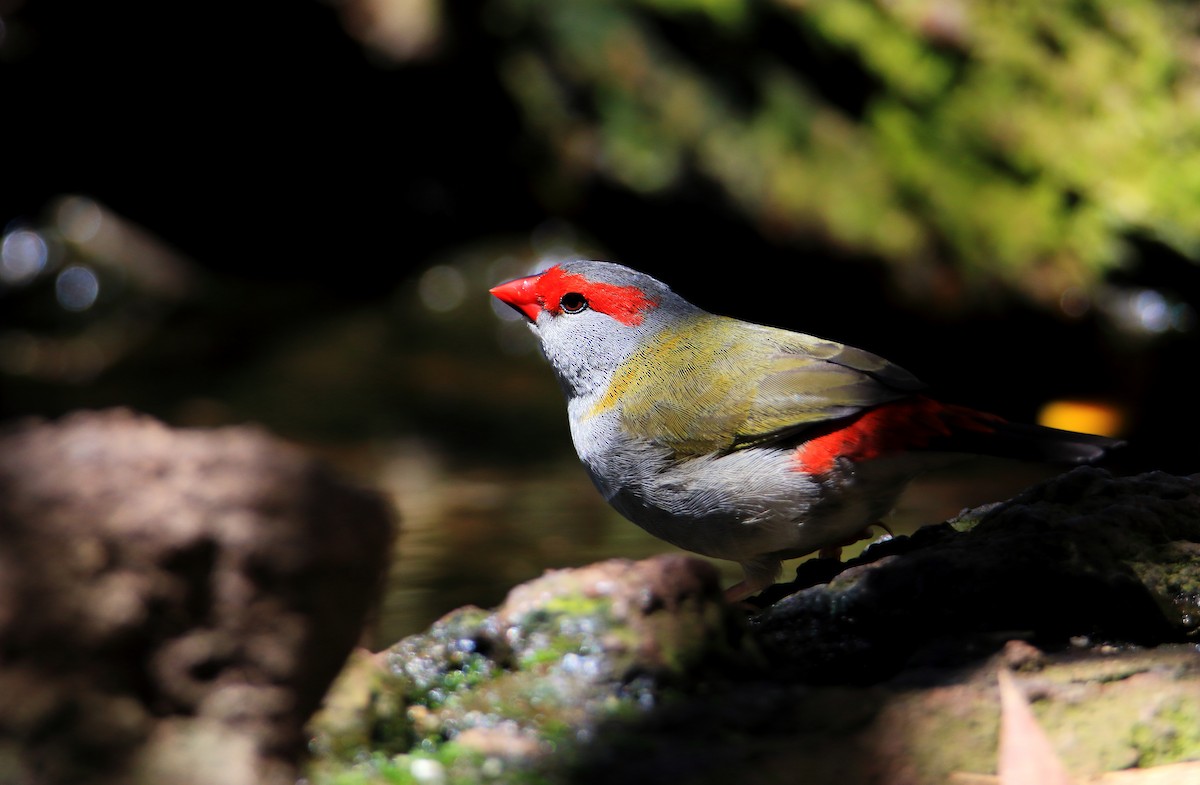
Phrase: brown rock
(160,584)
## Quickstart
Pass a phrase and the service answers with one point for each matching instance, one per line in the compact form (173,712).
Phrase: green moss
(1136,708)
(365,711)
(942,736)
(447,659)
(576,605)
(1170,735)
(448,764)
(967,520)
(1173,575)
(566,624)
(521,693)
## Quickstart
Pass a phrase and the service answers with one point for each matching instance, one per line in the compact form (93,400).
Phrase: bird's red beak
(520,294)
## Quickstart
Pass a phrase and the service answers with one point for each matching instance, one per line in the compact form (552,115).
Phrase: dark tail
(1024,442)
(922,423)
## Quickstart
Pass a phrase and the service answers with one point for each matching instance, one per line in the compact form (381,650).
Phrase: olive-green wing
(711,384)
(807,381)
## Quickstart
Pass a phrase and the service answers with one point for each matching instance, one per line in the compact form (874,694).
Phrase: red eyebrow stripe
(626,304)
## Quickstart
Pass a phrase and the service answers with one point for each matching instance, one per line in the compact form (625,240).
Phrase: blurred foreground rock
(173,603)
(882,670)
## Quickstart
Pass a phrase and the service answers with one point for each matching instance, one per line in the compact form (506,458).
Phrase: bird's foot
(835,551)
(738,592)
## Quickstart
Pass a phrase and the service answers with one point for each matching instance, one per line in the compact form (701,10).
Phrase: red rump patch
(911,424)
(623,303)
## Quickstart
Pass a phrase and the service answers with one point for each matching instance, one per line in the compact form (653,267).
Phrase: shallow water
(467,536)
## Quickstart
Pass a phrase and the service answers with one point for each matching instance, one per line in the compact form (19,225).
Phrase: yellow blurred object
(1102,419)
(402,30)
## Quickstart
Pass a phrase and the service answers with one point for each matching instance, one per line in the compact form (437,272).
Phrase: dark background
(308,179)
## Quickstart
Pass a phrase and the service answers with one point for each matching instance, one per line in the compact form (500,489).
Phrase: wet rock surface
(525,688)
(882,670)
(173,603)
(1084,554)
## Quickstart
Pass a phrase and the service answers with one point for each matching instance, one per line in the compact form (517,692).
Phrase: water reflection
(470,535)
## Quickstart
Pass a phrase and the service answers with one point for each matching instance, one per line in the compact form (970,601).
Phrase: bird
(742,441)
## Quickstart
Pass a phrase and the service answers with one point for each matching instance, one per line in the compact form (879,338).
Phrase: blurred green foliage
(1020,142)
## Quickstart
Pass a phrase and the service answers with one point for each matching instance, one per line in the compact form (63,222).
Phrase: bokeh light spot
(1095,417)
(442,288)
(23,255)
(1150,308)
(79,218)
(77,288)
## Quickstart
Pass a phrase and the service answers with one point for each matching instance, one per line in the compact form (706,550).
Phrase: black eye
(573,302)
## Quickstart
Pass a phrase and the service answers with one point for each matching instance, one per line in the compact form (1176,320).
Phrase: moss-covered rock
(882,670)
(520,691)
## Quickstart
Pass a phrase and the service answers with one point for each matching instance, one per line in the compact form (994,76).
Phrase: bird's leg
(835,551)
(758,575)
(761,573)
(738,592)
